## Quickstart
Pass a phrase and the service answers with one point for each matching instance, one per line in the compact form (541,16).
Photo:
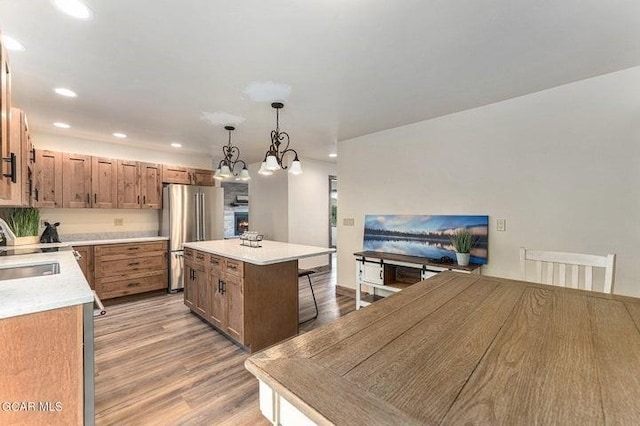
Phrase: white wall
(562,166)
(79,221)
(309,208)
(291,208)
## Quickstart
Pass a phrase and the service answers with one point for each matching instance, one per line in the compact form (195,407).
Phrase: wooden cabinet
(139,185)
(42,356)
(150,185)
(122,269)
(19,144)
(176,174)
(240,299)
(104,177)
(27,161)
(85,261)
(47,182)
(187,175)
(76,176)
(6,183)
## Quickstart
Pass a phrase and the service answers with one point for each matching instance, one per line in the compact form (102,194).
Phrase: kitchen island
(250,294)
(462,349)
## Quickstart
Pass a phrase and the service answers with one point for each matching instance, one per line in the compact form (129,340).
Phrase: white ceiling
(153,68)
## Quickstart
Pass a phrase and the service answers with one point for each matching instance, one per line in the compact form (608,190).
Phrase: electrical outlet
(348,221)
(118,221)
(501,224)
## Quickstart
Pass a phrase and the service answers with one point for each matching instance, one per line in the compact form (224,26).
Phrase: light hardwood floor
(158,364)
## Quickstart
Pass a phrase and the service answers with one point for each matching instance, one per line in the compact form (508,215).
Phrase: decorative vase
(463,258)
(21,241)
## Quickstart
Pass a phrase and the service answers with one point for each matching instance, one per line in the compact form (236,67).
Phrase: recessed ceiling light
(74,8)
(333,155)
(176,145)
(61,125)
(65,92)
(120,135)
(12,44)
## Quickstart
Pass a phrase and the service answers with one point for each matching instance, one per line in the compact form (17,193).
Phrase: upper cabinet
(104,179)
(202,177)
(187,175)
(8,177)
(139,185)
(18,163)
(47,182)
(76,177)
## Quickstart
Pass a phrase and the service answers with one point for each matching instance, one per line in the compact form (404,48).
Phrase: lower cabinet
(123,269)
(254,305)
(42,368)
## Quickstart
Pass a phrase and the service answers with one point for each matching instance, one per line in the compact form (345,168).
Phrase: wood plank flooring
(158,364)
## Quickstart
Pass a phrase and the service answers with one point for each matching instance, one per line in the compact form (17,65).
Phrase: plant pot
(463,258)
(21,241)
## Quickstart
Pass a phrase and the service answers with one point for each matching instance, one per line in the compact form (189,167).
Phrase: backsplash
(107,235)
(126,222)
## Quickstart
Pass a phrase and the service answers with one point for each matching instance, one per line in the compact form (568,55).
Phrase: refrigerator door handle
(203,227)
(197,213)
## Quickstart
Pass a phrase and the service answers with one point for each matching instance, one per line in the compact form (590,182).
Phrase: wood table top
(467,349)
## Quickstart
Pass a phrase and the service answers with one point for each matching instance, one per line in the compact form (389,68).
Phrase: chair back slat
(579,266)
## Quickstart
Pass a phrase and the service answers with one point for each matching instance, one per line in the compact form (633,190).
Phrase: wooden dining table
(466,349)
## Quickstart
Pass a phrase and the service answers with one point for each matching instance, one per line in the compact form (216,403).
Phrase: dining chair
(569,265)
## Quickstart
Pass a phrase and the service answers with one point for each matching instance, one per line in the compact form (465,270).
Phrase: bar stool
(307,273)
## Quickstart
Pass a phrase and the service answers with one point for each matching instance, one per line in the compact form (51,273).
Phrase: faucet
(6,231)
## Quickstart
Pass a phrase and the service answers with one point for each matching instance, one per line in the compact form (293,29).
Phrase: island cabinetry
(122,269)
(42,356)
(254,305)
(380,274)
(47,184)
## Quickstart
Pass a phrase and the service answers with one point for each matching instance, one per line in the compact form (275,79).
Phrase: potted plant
(25,224)
(463,241)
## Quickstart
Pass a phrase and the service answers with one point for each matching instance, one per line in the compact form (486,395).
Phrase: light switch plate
(501,224)
(348,221)
(118,221)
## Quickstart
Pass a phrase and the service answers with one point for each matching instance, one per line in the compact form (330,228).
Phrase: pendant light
(226,167)
(274,156)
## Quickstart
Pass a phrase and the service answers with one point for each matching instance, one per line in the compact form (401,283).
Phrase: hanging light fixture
(274,157)
(226,167)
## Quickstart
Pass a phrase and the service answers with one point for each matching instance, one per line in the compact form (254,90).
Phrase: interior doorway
(333,215)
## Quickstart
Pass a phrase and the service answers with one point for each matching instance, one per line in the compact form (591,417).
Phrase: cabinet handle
(37,194)
(223,286)
(219,286)
(134,263)
(88,198)
(133,248)
(95,198)
(232,266)
(144,199)
(380,273)
(11,159)
(138,199)
(33,155)
(133,284)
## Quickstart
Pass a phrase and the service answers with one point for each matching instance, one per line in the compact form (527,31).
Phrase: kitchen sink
(29,271)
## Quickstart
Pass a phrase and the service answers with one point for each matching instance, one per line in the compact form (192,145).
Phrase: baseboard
(346,291)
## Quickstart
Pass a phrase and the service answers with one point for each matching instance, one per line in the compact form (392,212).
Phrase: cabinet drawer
(108,268)
(188,253)
(216,262)
(129,249)
(199,257)
(131,284)
(234,267)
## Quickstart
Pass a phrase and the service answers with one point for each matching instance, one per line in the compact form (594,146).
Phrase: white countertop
(270,252)
(36,294)
(87,243)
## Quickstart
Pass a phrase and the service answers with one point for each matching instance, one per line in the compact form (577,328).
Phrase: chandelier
(226,167)
(274,156)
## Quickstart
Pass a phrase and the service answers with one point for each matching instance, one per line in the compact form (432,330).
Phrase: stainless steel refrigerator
(190,213)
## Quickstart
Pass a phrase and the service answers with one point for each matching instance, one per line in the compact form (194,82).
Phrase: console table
(387,273)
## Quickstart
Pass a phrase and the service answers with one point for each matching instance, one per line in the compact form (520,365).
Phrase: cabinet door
(202,299)
(373,273)
(176,174)
(27,158)
(5,114)
(128,185)
(151,185)
(233,289)
(16,134)
(76,177)
(47,186)
(189,285)
(203,177)
(104,179)
(218,308)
